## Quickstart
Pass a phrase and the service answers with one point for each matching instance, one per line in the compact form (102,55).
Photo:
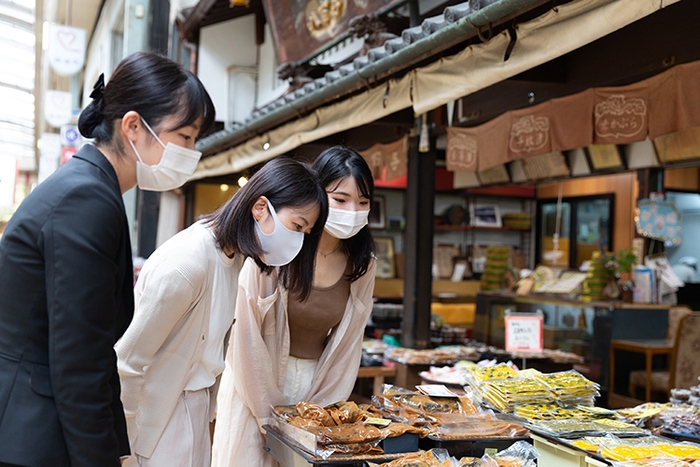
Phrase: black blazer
(66,296)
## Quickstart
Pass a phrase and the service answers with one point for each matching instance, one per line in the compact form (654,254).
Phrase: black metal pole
(418,247)
(148,202)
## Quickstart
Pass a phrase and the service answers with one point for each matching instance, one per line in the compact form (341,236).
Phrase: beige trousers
(300,375)
(186,440)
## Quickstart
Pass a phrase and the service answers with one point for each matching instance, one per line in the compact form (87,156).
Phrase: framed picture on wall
(377,214)
(386,267)
(485,215)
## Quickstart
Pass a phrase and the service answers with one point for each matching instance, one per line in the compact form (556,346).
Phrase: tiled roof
(429,28)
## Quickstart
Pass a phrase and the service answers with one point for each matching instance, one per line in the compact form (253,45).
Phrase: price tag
(523,333)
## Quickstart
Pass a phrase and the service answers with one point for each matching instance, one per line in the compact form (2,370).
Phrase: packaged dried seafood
(551,412)
(505,394)
(485,426)
(570,388)
(520,454)
(500,371)
(684,451)
(341,428)
(414,408)
(440,356)
(566,428)
(345,434)
(431,458)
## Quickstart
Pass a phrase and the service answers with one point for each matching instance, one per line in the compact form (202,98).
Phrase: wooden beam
(198,13)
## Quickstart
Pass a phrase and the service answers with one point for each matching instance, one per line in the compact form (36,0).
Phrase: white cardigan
(256,364)
(161,348)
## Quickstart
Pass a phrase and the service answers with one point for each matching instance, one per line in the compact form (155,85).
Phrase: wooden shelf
(393,288)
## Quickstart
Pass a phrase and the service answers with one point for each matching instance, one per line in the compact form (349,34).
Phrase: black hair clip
(98,87)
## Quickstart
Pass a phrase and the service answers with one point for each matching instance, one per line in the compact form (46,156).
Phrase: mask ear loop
(152,132)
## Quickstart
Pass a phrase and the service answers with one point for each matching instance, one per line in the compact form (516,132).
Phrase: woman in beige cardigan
(172,355)
(284,350)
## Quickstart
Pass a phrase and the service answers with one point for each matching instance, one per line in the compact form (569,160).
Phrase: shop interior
(554,213)
(562,237)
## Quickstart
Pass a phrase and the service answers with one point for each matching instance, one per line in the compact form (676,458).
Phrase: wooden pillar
(418,247)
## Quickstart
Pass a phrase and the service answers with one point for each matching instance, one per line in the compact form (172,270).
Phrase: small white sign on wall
(66,51)
(58,108)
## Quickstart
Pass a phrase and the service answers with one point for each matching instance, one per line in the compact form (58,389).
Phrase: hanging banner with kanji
(302,27)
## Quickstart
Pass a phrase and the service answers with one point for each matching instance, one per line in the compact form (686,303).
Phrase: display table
(378,373)
(647,347)
(555,454)
(585,328)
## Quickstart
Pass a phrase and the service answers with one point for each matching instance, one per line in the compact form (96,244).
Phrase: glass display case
(585,328)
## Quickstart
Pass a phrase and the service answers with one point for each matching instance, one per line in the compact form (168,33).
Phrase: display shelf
(393,289)
(473,227)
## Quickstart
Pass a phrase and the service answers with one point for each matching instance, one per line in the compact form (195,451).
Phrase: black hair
(286,184)
(334,165)
(153,86)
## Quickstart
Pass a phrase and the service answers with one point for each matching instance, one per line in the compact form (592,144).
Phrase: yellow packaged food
(585,445)
(500,371)
(680,450)
(625,453)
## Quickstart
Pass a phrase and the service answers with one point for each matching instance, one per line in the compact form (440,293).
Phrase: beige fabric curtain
(660,105)
(358,110)
(546,37)
(387,161)
(549,36)
(674,97)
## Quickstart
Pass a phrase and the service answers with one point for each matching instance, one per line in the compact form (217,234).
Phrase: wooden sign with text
(301,27)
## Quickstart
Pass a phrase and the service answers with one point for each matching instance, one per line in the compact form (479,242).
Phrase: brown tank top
(311,321)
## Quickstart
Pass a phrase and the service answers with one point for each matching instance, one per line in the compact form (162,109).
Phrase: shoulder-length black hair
(153,86)
(334,165)
(286,184)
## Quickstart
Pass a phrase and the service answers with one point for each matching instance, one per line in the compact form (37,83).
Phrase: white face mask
(345,224)
(176,166)
(282,245)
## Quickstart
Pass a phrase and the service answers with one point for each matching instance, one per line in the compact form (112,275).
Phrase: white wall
(99,54)
(269,86)
(221,46)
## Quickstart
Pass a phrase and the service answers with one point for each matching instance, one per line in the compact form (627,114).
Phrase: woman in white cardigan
(284,349)
(172,354)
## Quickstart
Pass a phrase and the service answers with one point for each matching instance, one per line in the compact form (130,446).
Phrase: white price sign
(523,333)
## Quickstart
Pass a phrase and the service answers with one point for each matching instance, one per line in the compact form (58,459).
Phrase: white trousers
(300,375)
(186,440)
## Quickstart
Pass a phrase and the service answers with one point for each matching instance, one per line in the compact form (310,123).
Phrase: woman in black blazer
(66,279)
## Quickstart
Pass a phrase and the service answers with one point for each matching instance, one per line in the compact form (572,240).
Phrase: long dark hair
(286,184)
(333,165)
(153,86)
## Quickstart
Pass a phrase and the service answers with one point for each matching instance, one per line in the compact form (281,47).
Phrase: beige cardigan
(256,364)
(158,352)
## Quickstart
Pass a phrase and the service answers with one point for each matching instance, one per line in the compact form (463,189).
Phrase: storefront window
(590,221)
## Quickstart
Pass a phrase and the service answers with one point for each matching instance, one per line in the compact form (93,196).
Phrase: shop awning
(555,33)
(663,104)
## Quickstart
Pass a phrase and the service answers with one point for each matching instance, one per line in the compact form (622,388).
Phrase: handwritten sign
(523,333)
